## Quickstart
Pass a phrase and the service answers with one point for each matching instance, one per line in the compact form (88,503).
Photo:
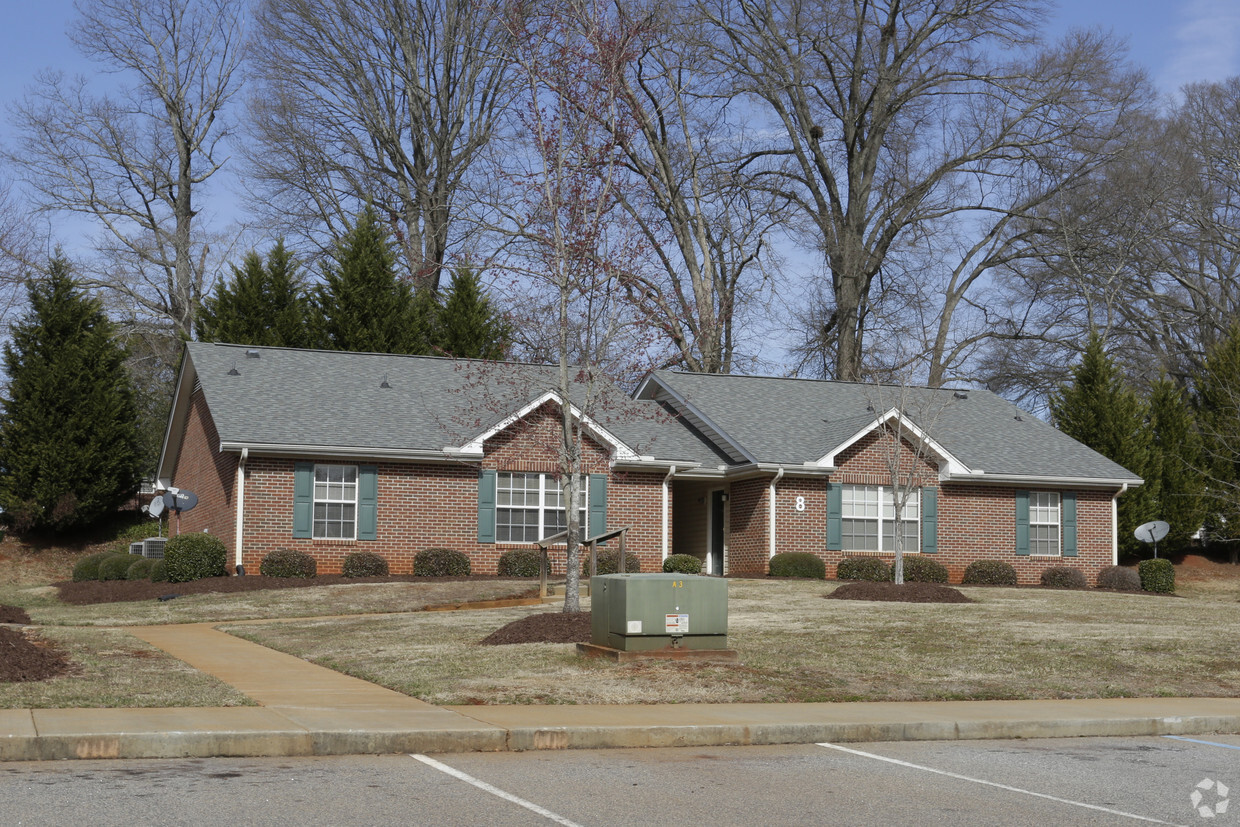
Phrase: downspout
(1115,524)
(779,475)
(245,453)
(666,513)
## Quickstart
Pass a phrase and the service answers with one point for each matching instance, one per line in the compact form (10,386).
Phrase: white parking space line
(993,784)
(482,785)
(1199,741)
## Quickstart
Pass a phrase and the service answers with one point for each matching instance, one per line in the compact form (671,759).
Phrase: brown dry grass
(796,646)
(114,669)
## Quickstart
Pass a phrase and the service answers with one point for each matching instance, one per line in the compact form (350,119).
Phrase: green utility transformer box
(643,612)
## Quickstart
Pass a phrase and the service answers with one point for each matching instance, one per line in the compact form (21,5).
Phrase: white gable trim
(949,465)
(621,452)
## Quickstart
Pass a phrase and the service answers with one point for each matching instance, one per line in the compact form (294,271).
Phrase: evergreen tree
(1174,477)
(1218,416)
(362,305)
(68,438)
(469,326)
(1101,411)
(265,304)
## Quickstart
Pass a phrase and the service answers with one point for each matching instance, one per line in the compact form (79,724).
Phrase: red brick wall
(974,521)
(748,538)
(425,505)
(204,470)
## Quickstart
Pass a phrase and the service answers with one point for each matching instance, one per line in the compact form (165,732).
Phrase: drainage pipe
(666,507)
(245,453)
(1115,524)
(779,475)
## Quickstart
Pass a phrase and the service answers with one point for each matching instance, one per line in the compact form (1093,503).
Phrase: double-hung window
(868,519)
(1044,523)
(335,502)
(530,506)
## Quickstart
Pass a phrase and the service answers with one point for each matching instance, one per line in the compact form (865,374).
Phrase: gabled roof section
(894,418)
(316,402)
(806,422)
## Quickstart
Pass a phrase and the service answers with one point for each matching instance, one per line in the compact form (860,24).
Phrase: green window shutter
(367,502)
(486,506)
(835,510)
(1068,501)
(929,520)
(596,512)
(303,499)
(1022,523)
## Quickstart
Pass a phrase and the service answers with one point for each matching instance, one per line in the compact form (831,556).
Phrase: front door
(714,557)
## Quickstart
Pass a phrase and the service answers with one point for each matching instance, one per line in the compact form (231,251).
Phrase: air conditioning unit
(135,548)
(153,547)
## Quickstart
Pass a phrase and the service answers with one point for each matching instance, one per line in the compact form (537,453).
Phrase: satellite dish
(179,500)
(156,507)
(1152,532)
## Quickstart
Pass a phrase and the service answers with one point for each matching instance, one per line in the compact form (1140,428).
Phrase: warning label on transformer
(677,624)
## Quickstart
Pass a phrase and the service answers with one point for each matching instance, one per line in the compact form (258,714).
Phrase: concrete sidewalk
(309,710)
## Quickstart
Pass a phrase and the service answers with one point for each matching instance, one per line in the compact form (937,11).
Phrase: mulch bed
(23,659)
(12,614)
(545,627)
(903,593)
(120,591)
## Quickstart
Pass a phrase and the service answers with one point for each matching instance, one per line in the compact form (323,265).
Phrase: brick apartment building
(332,452)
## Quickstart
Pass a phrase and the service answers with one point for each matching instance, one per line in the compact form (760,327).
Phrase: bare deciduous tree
(388,103)
(136,161)
(890,117)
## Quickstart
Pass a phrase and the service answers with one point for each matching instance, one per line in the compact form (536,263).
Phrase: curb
(271,734)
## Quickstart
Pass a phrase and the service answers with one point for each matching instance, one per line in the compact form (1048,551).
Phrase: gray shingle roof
(320,400)
(334,399)
(792,421)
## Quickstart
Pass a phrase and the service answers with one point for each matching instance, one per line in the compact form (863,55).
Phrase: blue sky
(1178,41)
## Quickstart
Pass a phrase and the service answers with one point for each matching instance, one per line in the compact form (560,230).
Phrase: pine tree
(1101,411)
(1218,416)
(68,437)
(1174,477)
(264,304)
(362,305)
(469,327)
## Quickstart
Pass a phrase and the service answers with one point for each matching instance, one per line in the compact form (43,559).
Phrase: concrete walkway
(309,710)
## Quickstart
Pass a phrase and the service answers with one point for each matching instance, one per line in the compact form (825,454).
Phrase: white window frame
(548,501)
(335,495)
(1045,524)
(877,508)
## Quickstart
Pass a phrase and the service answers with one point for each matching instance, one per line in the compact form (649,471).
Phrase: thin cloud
(1207,44)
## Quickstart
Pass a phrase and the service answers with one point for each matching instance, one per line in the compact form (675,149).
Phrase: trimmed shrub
(1063,577)
(440,562)
(285,562)
(88,567)
(682,564)
(870,569)
(195,556)
(1157,575)
(139,569)
(159,571)
(1119,578)
(364,564)
(520,562)
(609,562)
(989,573)
(798,564)
(115,566)
(918,569)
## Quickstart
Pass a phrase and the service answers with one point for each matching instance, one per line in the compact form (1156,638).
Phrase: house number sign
(800,506)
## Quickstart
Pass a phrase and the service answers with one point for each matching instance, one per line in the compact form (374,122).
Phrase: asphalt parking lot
(1066,781)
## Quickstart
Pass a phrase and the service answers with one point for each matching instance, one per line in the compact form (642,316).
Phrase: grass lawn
(795,645)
